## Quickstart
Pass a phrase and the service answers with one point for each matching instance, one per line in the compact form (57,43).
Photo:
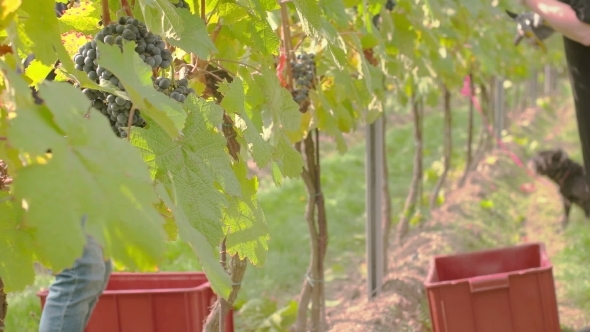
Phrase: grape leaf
(194,38)
(279,101)
(197,162)
(180,28)
(135,76)
(16,247)
(220,281)
(312,22)
(7,10)
(289,160)
(83,18)
(277,108)
(91,172)
(261,34)
(37,71)
(245,224)
(234,102)
(42,27)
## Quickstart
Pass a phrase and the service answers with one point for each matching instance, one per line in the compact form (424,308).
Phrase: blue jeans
(74,294)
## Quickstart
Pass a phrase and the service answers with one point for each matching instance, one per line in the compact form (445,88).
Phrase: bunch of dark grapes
(150,47)
(117,109)
(182,4)
(212,77)
(177,90)
(303,69)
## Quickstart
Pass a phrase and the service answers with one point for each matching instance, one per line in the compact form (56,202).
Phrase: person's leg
(74,293)
(578,57)
(107,273)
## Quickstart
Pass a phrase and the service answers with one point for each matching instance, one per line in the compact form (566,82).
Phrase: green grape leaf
(245,224)
(180,28)
(263,36)
(279,101)
(197,162)
(7,10)
(220,281)
(309,13)
(234,102)
(16,247)
(95,174)
(82,19)
(135,75)
(47,46)
(46,35)
(37,71)
(276,107)
(231,12)
(194,38)
(289,160)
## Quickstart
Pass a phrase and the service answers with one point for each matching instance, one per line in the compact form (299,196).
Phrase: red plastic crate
(153,302)
(502,290)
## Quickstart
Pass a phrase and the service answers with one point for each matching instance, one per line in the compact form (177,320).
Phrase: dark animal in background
(568,175)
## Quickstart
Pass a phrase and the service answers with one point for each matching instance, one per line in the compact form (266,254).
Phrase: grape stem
(299,43)
(106,15)
(233,61)
(226,70)
(287,44)
(203,7)
(125,6)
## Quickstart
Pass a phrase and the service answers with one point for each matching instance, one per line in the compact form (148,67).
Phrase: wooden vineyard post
(374,179)
(533,88)
(498,107)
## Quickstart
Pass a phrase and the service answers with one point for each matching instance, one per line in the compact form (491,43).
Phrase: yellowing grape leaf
(83,18)
(7,10)
(37,71)
(16,247)
(135,76)
(245,224)
(42,27)
(91,172)
(219,279)
(198,164)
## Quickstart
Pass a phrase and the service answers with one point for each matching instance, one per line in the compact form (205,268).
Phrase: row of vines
(157,106)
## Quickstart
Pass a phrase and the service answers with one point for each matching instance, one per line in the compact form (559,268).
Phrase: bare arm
(562,18)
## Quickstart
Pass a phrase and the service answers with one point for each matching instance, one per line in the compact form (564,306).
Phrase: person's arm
(564,19)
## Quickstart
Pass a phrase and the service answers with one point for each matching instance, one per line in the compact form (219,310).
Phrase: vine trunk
(315,215)
(448,147)
(411,199)
(469,159)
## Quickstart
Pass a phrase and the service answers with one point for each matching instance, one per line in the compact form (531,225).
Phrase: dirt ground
(491,210)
